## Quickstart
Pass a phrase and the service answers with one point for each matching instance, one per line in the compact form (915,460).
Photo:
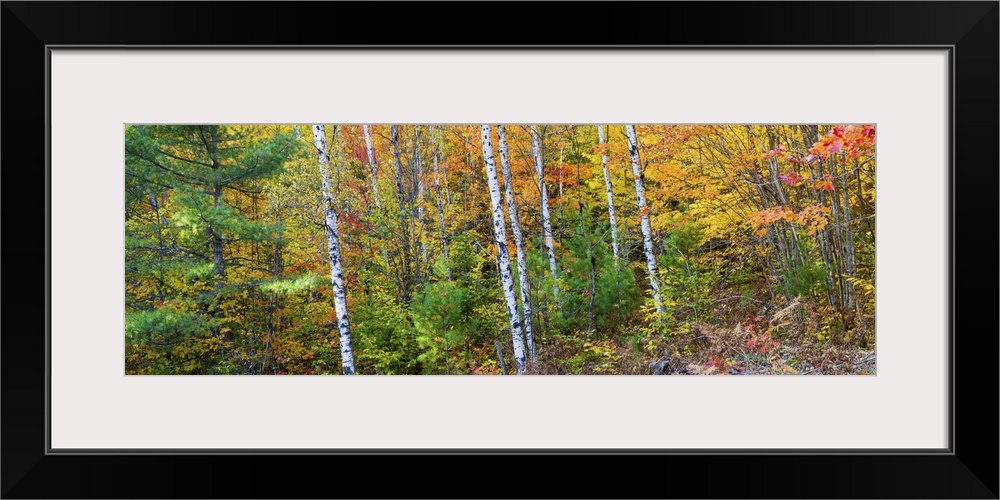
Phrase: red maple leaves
(791,178)
(850,140)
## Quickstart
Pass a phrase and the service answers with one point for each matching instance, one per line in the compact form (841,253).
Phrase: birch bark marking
(536,149)
(503,258)
(611,198)
(647,232)
(394,140)
(333,249)
(420,194)
(440,208)
(515,228)
(371,165)
(444,172)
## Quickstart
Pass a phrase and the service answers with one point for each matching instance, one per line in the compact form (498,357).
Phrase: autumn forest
(519,249)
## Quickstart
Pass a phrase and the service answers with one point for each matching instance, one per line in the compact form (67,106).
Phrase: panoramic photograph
(499,249)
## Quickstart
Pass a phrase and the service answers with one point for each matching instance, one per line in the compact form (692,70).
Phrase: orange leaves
(795,178)
(827,145)
(352,222)
(824,185)
(675,135)
(769,216)
(778,152)
(602,148)
(851,140)
(858,139)
(812,218)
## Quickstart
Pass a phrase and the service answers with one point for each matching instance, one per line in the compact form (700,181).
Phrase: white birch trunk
(444,172)
(371,165)
(503,258)
(394,140)
(611,198)
(647,232)
(536,149)
(440,209)
(515,229)
(420,194)
(333,249)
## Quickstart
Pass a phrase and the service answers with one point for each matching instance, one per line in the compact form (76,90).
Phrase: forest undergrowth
(489,249)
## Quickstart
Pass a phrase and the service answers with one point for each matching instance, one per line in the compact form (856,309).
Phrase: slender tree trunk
(560,169)
(827,246)
(611,198)
(208,139)
(420,195)
(647,233)
(515,229)
(408,267)
(372,166)
(586,238)
(160,218)
(503,259)
(444,170)
(161,223)
(536,149)
(333,250)
(848,240)
(394,140)
(217,241)
(791,240)
(593,288)
(810,135)
(375,193)
(440,209)
(503,366)
(277,268)
(838,241)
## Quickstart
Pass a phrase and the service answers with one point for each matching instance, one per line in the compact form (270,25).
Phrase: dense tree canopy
(482,249)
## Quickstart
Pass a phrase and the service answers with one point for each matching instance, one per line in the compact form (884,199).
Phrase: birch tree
(607,189)
(647,232)
(419,188)
(503,258)
(536,149)
(371,165)
(333,250)
(515,229)
(440,208)
(394,141)
(444,171)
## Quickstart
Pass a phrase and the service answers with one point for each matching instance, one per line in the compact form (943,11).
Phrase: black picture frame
(969,469)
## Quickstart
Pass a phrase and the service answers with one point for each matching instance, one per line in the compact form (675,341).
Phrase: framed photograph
(214,199)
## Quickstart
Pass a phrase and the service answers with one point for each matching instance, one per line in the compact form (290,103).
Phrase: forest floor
(784,342)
